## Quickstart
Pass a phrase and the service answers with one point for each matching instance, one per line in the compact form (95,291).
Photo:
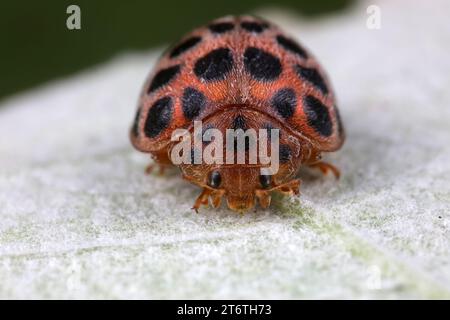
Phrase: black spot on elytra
(238,148)
(163,77)
(269,127)
(184,46)
(251,26)
(239,123)
(135,127)
(215,65)
(221,27)
(262,65)
(292,46)
(318,116)
(158,117)
(285,153)
(313,76)
(193,102)
(284,101)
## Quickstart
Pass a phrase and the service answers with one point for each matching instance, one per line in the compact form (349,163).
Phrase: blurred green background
(37,46)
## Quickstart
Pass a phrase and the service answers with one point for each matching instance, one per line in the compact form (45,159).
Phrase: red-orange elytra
(240,73)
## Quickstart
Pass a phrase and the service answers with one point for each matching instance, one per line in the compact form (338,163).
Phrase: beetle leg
(160,161)
(202,199)
(149,168)
(325,167)
(152,166)
(264,198)
(216,197)
(292,187)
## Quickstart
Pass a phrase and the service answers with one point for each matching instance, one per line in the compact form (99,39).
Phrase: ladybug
(240,72)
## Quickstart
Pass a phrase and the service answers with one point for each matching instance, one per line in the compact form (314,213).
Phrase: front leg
(215,194)
(325,167)
(161,168)
(216,198)
(202,199)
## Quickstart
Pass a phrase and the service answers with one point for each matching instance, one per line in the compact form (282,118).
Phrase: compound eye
(214,179)
(265,181)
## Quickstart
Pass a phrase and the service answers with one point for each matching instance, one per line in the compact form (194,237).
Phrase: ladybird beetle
(240,72)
